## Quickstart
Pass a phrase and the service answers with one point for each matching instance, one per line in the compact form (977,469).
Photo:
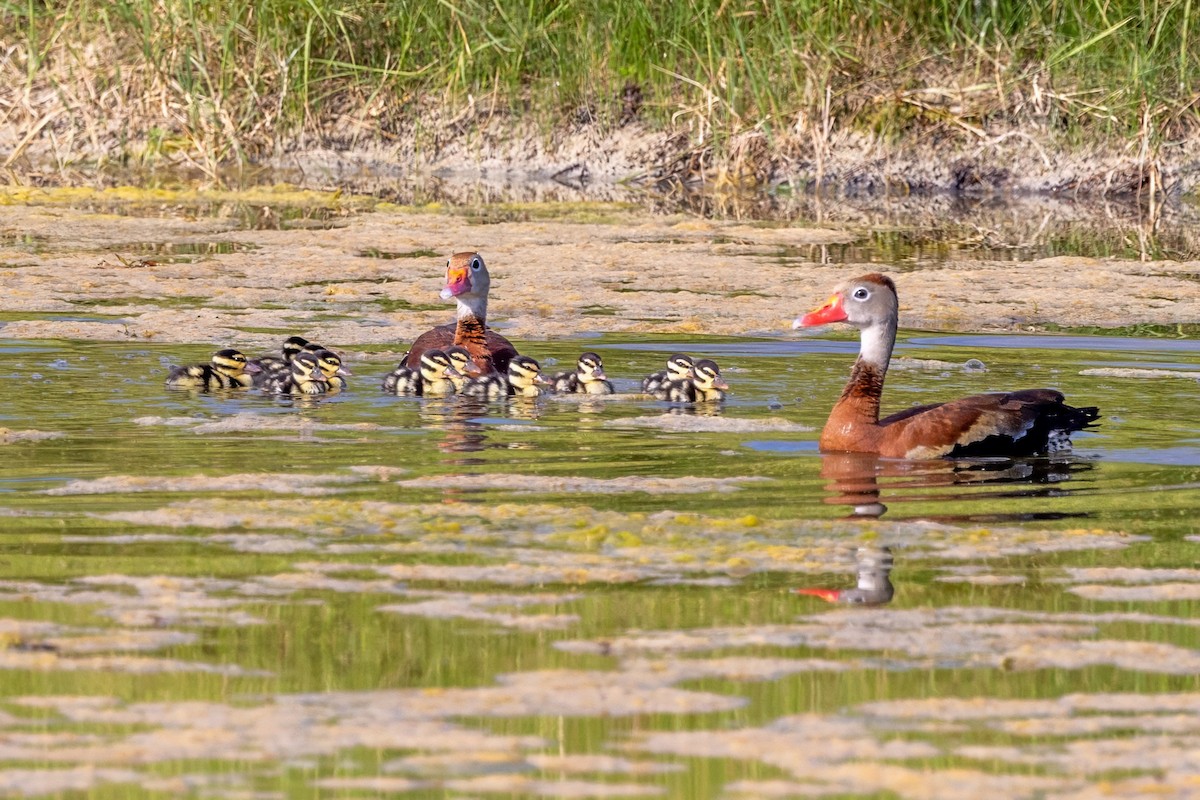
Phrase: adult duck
(1022,423)
(467,281)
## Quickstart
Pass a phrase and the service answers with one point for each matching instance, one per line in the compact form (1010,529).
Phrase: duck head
(466,277)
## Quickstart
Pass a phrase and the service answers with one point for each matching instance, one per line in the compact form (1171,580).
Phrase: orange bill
(458,281)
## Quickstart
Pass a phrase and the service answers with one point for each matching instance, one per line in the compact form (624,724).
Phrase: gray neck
(875,345)
(471,305)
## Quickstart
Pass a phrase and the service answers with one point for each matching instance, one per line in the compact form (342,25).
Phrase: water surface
(361,594)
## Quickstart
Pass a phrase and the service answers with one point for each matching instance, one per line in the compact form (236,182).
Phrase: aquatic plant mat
(251,267)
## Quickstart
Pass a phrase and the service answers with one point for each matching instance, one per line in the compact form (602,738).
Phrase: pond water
(362,595)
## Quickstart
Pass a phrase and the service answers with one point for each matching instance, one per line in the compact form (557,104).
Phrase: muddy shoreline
(360,277)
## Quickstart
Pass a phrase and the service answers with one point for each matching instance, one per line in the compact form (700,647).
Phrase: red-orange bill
(832,311)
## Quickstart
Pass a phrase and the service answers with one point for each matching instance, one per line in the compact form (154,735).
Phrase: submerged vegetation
(748,86)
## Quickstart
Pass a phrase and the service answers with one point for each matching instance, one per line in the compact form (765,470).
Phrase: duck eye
(476,263)
(861,293)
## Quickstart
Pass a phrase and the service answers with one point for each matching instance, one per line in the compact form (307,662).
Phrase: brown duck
(467,281)
(1021,423)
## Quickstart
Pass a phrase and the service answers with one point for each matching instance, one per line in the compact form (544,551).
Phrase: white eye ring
(861,293)
(476,263)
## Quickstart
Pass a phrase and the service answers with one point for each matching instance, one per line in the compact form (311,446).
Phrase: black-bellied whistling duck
(679,366)
(1022,423)
(587,378)
(467,281)
(705,384)
(228,369)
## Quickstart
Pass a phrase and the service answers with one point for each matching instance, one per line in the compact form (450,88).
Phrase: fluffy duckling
(679,367)
(588,377)
(228,369)
(433,377)
(464,366)
(332,370)
(304,377)
(705,385)
(524,379)
(273,367)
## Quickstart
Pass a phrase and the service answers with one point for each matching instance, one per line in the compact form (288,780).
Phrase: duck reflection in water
(863,480)
(874,588)
(458,417)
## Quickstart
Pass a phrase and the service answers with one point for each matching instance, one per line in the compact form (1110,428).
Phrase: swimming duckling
(228,369)
(332,370)
(304,377)
(679,367)
(273,367)
(524,379)
(433,377)
(705,385)
(464,366)
(588,377)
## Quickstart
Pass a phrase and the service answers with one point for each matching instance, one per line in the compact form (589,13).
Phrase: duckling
(705,385)
(435,376)
(524,379)
(228,369)
(679,367)
(304,377)
(464,366)
(492,386)
(332,370)
(588,377)
(272,367)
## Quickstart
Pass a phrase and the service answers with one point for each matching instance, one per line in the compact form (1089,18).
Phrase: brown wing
(1008,424)
(501,349)
(438,338)
(491,354)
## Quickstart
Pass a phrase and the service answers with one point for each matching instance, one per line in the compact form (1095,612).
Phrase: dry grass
(750,95)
